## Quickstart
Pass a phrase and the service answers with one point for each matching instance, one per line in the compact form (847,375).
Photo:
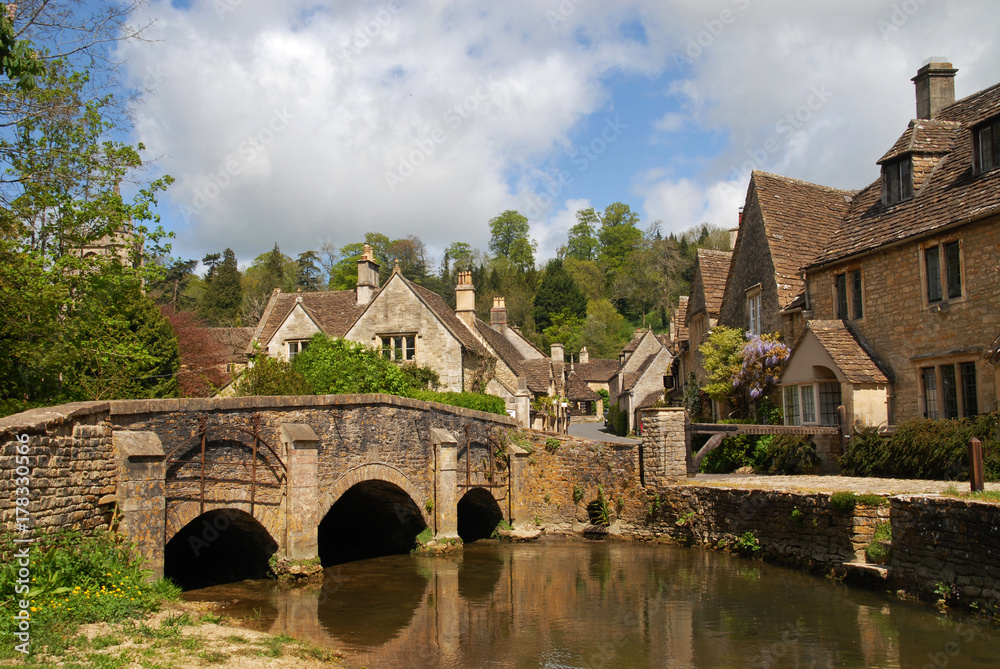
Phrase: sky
(306,123)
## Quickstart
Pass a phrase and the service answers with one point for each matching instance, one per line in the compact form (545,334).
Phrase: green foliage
(843,502)
(577,494)
(271,376)
(925,449)
(618,235)
(617,420)
(565,329)
(605,332)
(552,444)
(425,536)
(787,454)
(509,239)
(982,496)
(223,297)
(557,294)
(582,244)
(474,401)
(599,511)
(693,400)
(18,62)
(502,526)
(747,544)
(76,579)
(429,506)
(685,520)
(722,358)
(334,366)
(876,552)
(421,377)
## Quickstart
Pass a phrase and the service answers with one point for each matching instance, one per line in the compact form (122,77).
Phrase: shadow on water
(368,603)
(479,573)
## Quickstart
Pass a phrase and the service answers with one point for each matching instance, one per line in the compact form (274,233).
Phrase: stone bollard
(976,465)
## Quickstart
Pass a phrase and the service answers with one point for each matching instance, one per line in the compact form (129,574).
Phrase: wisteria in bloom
(764,358)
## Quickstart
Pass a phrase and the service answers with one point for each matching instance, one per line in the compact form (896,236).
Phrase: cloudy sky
(304,122)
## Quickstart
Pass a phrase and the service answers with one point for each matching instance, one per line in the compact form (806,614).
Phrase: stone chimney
(935,82)
(584,356)
(465,300)
(498,314)
(557,352)
(367,276)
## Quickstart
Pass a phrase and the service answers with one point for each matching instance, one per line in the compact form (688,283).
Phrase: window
(808,403)
(848,298)
(296,347)
(792,405)
(943,268)
(987,147)
(398,347)
(801,402)
(829,403)
(753,311)
(949,390)
(897,181)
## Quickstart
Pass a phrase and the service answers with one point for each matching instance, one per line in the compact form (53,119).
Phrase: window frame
(950,398)
(894,174)
(389,351)
(300,345)
(814,390)
(755,305)
(989,131)
(850,280)
(945,274)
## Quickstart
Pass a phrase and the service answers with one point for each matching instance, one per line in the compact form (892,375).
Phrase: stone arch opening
(219,546)
(372,518)
(478,515)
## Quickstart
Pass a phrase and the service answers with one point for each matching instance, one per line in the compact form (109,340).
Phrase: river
(580,604)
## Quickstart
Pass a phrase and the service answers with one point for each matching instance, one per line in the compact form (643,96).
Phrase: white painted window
(802,400)
(296,347)
(398,347)
(754,311)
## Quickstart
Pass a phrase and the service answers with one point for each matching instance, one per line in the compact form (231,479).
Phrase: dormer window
(987,147)
(897,181)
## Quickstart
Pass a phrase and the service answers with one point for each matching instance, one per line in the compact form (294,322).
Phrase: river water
(572,604)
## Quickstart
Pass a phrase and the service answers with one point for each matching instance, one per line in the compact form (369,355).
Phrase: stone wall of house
(753,265)
(559,465)
(901,328)
(71,483)
(397,310)
(298,326)
(953,542)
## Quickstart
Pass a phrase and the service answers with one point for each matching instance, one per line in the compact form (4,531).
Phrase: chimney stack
(935,83)
(498,314)
(557,353)
(367,276)
(465,300)
(584,356)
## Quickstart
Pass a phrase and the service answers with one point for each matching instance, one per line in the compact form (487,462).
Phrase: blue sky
(311,122)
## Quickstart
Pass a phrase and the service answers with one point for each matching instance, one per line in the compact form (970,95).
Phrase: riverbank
(184,635)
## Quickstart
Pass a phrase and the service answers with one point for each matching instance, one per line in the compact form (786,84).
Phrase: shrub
(747,544)
(552,444)
(270,376)
(618,420)
(787,454)
(577,494)
(474,401)
(335,366)
(843,502)
(876,552)
(599,510)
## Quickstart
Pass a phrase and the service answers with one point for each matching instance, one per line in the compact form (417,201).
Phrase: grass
(845,502)
(876,552)
(984,496)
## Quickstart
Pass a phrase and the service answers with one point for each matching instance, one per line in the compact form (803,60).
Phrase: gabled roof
(799,220)
(445,314)
(233,341)
(634,342)
(503,348)
(538,372)
(714,267)
(856,363)
(681,330)
(924,136)
(578,391)
(333,311)
(948,195)
(597,370)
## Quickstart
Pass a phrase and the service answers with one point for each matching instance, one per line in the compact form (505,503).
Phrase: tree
(309,274)
(589,276)
(171,289)
(335,366)
(557,294)
(582,244)
(17,60)
(273,274)
(202,356)
(458,257)
(566,329)
(722,358)
(509,239)
(223,295)
(618,236)
(605,332)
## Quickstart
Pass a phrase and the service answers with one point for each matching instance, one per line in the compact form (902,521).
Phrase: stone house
(645,374)
(410,323)
(785,224)
(911,270)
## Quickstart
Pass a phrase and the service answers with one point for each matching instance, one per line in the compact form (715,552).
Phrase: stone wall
(899,325)
(72,478)
(954,542)
(664,446)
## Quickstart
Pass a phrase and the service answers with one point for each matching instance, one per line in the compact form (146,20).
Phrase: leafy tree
(273,274)
(589,276)
(582,244)
(722,358)
(618,236)
(17,60)
(201,355)
(605,332)
(458,257)
(411,254)
(566,329)
(271,376)
(509,239)
(171,289)
(223,295)
(335,366)
(557,294)
(345,273)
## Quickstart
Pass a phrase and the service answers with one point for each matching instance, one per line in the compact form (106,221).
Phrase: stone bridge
(211,489)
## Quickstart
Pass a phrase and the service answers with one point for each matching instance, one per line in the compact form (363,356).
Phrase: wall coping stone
(46,417)
(138,444)
(298,434)
(132,407)
(441,436)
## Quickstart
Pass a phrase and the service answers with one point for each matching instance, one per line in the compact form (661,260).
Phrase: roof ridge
(802,182)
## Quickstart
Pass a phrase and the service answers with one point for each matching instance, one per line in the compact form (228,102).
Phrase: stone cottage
(911,272)
(644,375)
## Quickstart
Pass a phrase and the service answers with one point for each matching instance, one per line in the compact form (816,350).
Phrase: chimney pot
(557,352)
(584,356)
(498,314)
(935,86)
(465,299)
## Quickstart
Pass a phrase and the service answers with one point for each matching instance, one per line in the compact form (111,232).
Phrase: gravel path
(833,484)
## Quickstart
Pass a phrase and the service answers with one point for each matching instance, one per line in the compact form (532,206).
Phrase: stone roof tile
(334,311)
(925,136)
(857,364)
(578,391)
(714,267)
(597,370)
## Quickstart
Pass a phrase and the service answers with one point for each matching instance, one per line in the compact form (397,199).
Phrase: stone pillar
(522,399)
(141,493)
(664,446)
(302,501)
(519,511)
(445,484)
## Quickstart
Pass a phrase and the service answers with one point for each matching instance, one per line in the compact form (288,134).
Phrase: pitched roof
(537,373)
(634,342)
(234,342)
(503,348)
(857,364)
(447,316)
(926,136)
(714,267)
(334,312)
(631,378)
(799,220)
(949,194)
(578,391)
(597,370)
(681,330)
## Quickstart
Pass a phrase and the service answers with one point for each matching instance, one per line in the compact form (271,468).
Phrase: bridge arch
(478,515)
(370,511)
(222,545)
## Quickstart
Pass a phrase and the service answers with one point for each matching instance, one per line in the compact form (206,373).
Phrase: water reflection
(607,605)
